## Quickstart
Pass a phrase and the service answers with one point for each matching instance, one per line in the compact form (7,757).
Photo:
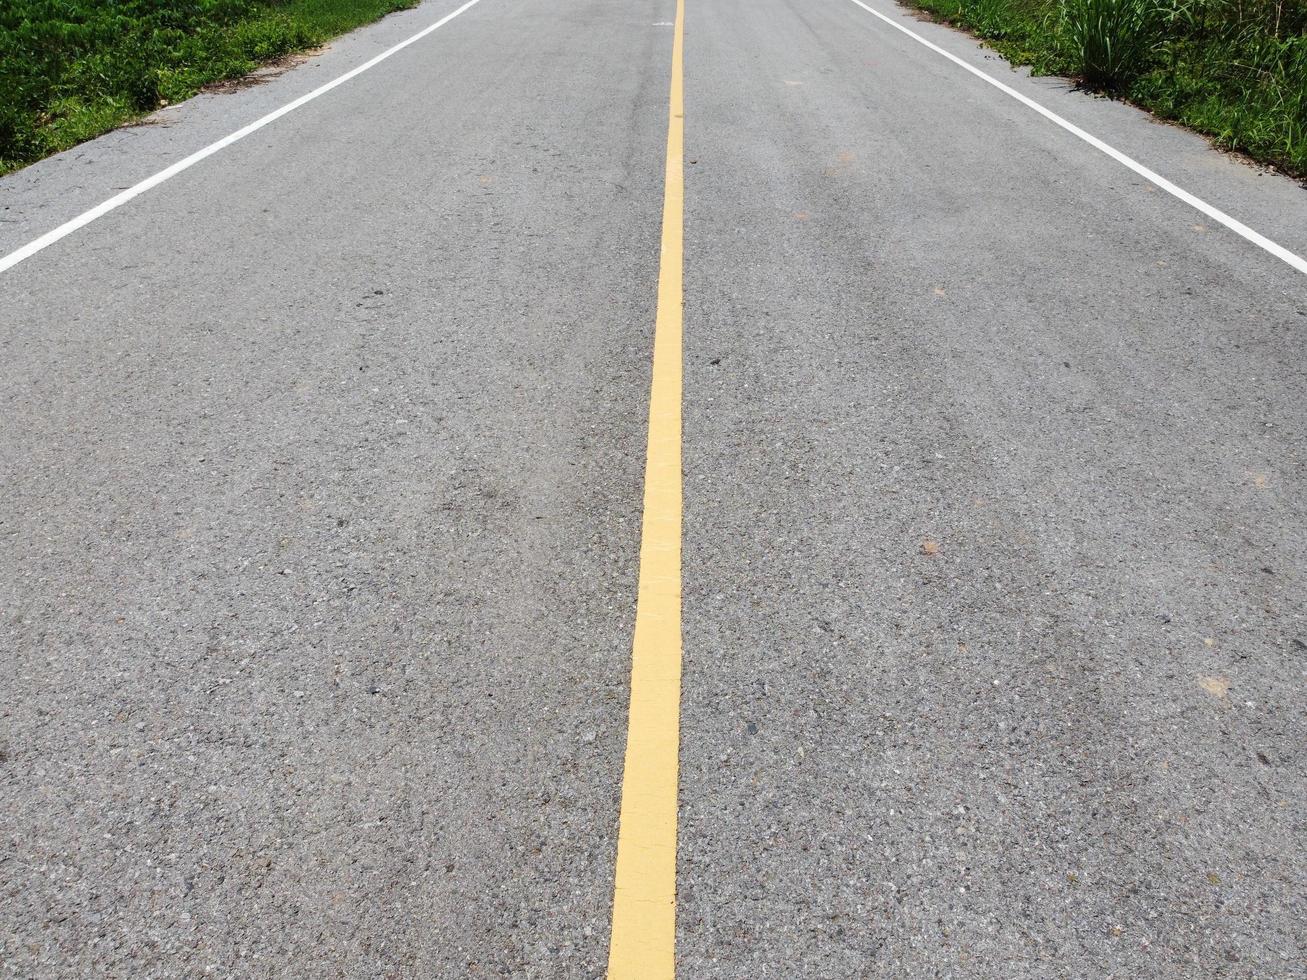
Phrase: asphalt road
(322,469)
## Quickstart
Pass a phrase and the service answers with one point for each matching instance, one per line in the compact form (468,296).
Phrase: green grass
(73,69)
(1235,70)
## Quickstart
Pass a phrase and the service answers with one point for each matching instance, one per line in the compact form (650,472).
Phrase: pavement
(322,470)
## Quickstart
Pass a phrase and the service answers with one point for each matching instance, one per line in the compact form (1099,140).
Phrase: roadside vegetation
(1235,70)
(72,69)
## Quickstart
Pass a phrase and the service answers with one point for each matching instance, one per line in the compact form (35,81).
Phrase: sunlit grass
(73,69)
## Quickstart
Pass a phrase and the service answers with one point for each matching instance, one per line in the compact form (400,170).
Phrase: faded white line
(118,200)
(1216,214)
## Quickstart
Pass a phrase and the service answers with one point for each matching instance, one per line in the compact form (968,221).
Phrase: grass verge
(73,69)
(1234,70)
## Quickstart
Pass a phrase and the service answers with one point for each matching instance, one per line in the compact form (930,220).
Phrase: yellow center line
(643,942)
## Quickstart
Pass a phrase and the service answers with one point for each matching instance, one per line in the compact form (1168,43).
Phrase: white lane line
(118,200)
(1216,214)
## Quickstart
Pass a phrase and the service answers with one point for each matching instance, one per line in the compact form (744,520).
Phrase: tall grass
(1233,69)
(1109,39)
(72,69)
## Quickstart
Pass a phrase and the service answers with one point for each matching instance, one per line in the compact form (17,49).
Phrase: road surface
(324,471)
